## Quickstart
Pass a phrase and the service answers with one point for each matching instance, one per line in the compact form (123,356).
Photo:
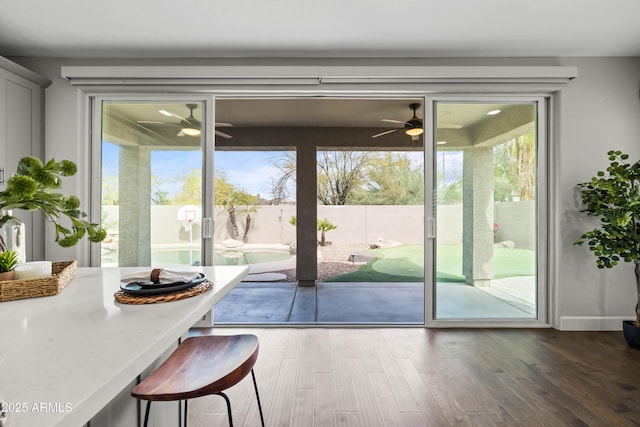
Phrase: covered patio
(370,303)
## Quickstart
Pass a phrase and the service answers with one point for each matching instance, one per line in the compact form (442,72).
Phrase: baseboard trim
(585,323)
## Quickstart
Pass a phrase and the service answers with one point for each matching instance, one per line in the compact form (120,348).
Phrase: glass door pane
(151,193)
(486,179)
(371,234)
(255,209)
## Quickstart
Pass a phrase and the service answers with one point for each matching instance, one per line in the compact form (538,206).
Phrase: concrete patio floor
(364,303)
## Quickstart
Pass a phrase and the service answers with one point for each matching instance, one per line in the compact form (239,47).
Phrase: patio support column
(134,206)
(477,214)
(307,214)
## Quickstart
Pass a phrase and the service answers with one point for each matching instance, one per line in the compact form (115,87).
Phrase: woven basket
(61,274)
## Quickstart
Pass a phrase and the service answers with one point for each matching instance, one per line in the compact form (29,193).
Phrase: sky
(252,171)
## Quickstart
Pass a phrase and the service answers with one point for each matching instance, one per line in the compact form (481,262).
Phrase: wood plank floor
(433,377)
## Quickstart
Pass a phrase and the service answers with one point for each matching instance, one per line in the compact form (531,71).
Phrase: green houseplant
(33,187)
(614,197)
(8,263)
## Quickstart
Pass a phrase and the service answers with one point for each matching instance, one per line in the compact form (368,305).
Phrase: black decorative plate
(150,288)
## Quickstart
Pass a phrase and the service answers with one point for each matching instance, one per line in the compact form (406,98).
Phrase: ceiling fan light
(191,126)
(191,131)
(414,126)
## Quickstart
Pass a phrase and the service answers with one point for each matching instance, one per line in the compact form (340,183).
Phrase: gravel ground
(335,261)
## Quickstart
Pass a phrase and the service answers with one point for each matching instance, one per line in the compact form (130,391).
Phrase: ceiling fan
(413,127)
(189,126)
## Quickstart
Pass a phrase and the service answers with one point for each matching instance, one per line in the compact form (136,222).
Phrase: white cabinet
(21,134)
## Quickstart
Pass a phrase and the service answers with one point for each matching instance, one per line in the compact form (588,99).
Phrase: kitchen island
(64,358)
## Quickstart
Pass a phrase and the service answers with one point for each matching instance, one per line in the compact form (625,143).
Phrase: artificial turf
(406,264)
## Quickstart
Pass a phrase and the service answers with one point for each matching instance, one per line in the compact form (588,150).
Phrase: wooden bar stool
(202,365)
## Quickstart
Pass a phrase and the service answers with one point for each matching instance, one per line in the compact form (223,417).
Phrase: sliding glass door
(152,180)
(488,176)
(485,257)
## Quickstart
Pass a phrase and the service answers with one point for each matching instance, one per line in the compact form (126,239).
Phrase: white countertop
(73,352)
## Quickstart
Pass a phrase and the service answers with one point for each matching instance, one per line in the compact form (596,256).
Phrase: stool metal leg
(228,407)
(255,386)
(146,413)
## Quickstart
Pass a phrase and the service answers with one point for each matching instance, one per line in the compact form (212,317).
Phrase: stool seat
(200,366)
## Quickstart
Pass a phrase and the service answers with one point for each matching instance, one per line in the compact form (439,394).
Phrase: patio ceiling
(342,121)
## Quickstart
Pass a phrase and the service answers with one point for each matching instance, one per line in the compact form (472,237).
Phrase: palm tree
(323,226)
(247,210)
(231,199)
(522,150)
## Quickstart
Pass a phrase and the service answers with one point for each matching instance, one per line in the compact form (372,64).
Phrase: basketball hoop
(189,214)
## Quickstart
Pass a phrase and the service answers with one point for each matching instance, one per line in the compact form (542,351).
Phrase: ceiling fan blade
(449,126)
(384,133)
(223,125)
(151,122)
(171,114)
(392,121)
(222,134)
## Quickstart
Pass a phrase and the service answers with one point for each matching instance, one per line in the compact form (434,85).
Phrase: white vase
(12,235)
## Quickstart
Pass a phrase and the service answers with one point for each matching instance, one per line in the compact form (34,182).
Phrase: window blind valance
(312,75)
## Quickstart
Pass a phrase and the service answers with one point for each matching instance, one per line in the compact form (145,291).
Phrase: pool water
(233,257)
(227,257)
(185,257)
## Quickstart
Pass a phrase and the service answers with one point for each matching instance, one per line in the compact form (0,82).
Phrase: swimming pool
(247,257)
(222,257)
(240,256)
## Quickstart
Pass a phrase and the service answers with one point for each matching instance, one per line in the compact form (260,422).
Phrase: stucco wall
(595,112)
(270,224)
(355,224)
(516,223)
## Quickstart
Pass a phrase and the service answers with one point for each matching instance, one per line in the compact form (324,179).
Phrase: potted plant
(8,263)
(33,187)
(614,197)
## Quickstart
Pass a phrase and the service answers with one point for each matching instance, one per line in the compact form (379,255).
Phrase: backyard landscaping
(406,264)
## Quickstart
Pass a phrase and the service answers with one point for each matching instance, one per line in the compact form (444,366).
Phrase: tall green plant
(614,197)
(33,187)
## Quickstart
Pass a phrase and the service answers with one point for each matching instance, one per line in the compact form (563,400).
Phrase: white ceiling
(322,29)
(319,28)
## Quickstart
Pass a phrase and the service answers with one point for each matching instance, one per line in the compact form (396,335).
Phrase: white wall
(598,111)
